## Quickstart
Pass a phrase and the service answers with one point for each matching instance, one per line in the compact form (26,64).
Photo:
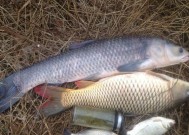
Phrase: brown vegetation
(31,30)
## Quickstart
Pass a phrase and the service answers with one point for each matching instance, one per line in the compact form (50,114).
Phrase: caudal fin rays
(51,107)
(10,93)
(54,94)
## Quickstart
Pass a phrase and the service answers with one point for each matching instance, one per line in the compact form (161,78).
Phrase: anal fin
(47,91)
(93,77)
(99,75)
(83,84)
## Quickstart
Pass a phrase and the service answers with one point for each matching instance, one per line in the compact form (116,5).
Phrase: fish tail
(9,93)
(54,103)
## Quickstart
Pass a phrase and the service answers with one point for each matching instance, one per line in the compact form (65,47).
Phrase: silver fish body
(152,126)
(94,60)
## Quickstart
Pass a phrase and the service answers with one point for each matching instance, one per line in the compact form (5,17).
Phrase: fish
(133,94)
(152,126)
(92,60)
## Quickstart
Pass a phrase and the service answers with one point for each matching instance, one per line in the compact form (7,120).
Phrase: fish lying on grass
(136,93)
(92,60)
(152,126)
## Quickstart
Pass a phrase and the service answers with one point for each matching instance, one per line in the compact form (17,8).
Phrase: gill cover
(176,54)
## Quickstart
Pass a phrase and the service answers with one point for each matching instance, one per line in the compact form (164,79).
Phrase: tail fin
(54,94)
(9,93)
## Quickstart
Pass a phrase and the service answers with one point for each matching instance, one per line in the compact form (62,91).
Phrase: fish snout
(171,124)
(185,59)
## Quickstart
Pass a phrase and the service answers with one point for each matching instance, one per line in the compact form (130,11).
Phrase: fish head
(176,54)
(165,53)
(180,90)
(153,126)
(164,122)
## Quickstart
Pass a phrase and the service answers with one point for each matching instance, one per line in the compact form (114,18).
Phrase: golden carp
(135,93)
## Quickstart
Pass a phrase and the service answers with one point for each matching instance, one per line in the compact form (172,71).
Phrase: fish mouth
(172,123)
(185,59)
(169,125)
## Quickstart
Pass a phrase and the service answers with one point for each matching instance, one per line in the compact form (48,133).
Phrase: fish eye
(181,50)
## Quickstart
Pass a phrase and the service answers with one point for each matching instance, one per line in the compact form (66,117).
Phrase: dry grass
(32,30)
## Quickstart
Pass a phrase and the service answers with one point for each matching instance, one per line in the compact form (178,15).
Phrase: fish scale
(137,93)
(84,67)
(92,61)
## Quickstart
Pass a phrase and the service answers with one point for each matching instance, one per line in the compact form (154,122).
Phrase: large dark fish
(92,60)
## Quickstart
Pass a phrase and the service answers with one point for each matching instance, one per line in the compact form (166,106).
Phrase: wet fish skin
(94,60)
(136,93)
(152,126)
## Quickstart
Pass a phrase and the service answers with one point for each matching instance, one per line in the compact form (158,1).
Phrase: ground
(32,30)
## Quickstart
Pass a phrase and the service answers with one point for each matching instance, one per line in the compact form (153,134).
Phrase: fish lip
(167,125)
(185,59)
(171,124)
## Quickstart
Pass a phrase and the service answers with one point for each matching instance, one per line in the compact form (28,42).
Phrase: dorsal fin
(76,45)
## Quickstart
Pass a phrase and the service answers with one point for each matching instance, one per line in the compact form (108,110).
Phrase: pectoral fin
(138,65)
